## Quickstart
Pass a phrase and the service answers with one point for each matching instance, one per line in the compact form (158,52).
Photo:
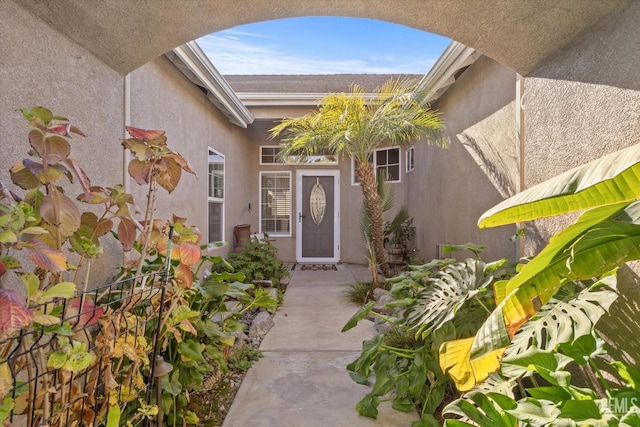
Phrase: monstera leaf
(610,179)
(445,293)
(560,322)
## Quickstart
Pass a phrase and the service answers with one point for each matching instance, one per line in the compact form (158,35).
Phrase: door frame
(336,214)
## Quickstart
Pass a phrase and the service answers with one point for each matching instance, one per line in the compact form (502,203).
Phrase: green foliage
(258,261)
(400,230)
(354,124)
(359,292)
(243,358)
(434,302)
(604,237)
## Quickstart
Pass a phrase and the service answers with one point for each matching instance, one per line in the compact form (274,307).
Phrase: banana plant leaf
(600,240)
(611,179)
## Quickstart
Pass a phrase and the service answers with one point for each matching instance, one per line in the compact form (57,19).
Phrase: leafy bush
(435,302)
(258,261)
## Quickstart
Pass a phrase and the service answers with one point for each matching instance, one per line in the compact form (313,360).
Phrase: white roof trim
(442,75)
(265,99)
(194,64)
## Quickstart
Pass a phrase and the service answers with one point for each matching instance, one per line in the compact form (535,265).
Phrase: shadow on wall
(621,328)
(491,162)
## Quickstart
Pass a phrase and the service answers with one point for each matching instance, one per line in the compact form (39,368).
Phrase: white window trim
(271,233)
(411,153)
(292,163)
(375,165)
(217,199)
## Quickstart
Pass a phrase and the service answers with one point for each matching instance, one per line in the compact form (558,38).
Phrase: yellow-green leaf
(45,319)
(610,179)
(61,290)
(31,283)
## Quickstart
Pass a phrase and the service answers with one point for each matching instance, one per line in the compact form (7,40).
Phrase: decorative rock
(284,281)
(261,325)
(379,293)
(381,326)
(233,306)
(241,339)
(381,302)
(273,293)
(220,316)
(263,283)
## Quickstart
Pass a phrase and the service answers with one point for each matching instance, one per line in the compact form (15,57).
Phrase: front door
(317,236)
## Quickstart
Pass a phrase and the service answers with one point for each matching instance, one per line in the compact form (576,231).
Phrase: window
(385,160)
(269,156)
(275,203)
(411,153)
(216,196)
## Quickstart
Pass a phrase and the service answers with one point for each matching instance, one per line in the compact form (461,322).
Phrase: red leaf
(76,131)
(23,177)
(85,183)
(3,268)
(54,146)
(61,129)
(13,313)
(45,257)
(145,135)
(169,175)
(68,213)
(139,171)
(88,316)
(183,276)
(189,254)
(126,233)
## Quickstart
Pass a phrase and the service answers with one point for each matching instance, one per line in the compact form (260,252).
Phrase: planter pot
(395,255)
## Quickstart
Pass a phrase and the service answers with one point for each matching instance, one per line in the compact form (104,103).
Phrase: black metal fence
(92,367)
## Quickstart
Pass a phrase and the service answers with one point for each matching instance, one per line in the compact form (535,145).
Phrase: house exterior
(546,86)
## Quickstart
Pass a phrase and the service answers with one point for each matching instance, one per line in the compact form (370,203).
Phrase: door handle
(300,216)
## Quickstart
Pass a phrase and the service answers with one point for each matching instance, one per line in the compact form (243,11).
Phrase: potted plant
(398,233)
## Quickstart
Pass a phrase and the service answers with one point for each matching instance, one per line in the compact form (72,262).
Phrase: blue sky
(323,45)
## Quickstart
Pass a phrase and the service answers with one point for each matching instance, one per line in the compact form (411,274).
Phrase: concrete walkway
(302,379)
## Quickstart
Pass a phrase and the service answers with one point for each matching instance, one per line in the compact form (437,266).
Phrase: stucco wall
(42,67)
(163,98)
(450,188)
(581,105)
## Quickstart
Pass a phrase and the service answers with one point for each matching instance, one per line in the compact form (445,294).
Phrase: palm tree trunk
(373,205)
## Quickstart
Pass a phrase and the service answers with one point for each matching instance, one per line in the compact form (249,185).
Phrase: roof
(322,83)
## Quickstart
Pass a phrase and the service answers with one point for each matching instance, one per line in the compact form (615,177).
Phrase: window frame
(288,163)
(275,234)
(410,158)
(375,165)
(213,199)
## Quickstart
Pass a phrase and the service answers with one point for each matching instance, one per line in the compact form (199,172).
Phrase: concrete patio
(302,379)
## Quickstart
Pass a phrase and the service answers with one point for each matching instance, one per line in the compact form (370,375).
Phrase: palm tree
(355,124)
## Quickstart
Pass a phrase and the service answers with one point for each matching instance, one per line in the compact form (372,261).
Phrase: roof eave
(443,73)
(195,65)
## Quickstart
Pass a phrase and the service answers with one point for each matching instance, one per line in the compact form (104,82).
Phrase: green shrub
(258,261)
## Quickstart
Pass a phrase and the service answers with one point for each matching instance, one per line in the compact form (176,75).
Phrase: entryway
(317,216)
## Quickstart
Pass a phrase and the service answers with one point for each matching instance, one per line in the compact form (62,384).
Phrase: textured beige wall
(582,105)
(163,98)
(579,106)
(450,188)
(42,67)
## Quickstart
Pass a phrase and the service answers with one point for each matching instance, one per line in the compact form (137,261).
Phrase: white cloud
(236,56)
